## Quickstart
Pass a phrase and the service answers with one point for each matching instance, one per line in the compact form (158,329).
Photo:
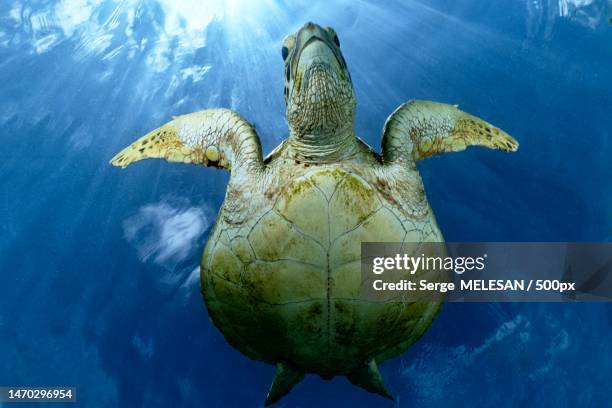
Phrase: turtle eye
(288,44)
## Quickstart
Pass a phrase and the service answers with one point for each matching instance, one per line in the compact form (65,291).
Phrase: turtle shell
(287,285)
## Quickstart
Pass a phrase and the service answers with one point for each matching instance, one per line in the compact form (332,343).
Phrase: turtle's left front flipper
(213,137)
(419,129)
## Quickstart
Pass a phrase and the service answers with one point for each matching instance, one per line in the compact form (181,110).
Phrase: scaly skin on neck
(319,97)
(323,147)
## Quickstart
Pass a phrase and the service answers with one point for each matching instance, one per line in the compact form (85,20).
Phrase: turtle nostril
(285,52)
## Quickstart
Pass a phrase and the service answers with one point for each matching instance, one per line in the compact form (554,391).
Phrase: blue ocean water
(98,267)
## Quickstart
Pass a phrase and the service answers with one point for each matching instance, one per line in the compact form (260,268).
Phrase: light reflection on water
(543,14)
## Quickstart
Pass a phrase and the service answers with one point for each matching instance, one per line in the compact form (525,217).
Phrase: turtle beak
(316,50)
(315,46)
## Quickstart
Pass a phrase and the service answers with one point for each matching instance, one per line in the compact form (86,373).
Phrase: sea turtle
(280,273)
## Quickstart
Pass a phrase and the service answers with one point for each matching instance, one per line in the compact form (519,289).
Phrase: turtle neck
(323,147)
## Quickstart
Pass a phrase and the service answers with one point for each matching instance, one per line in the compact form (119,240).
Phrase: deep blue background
(97,282)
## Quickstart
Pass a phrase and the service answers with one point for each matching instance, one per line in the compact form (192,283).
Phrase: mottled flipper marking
(213,137)
(419,129)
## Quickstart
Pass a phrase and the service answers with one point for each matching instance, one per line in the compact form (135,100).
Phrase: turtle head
(318,88)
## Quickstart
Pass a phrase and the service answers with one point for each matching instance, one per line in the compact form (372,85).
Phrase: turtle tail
(368,377)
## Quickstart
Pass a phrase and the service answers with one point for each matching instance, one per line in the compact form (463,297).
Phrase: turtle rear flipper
(284,380)
(368,377)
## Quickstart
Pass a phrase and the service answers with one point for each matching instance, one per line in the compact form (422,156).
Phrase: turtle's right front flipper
(213,137)
(420,129)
